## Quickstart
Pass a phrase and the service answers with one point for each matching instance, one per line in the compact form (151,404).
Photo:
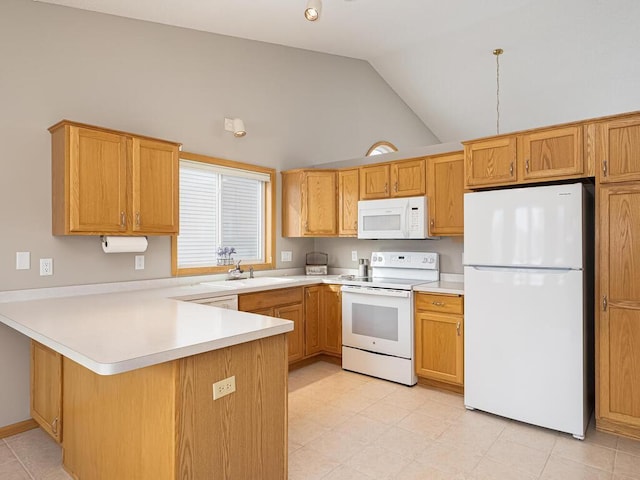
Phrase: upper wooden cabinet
(554,153)
(617,152)
(490,162)
(404,178)
(309,203)
(445,191)
(110,182)
(348,196)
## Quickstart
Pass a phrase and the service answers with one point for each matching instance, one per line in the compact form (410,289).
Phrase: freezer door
(532,226)
(524,349)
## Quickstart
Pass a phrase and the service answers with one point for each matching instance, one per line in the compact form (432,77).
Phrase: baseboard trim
(19,427)
(319,357)
(427,382)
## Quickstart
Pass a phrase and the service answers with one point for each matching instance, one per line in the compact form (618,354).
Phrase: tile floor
(347,426)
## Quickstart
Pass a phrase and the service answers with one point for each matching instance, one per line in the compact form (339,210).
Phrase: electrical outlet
(23,260)
(286,256)
(46,267)
(139,265)
(354,255)
(224,387)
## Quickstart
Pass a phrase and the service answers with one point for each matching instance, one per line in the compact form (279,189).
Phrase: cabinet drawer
(439,303)
(271,298)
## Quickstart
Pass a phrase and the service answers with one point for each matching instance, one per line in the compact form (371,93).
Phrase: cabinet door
(490,162)
(155,187)
(407,178)
(97,181)
(552,154)
(445,175)
(374,181)
(439,347)
(312,320)
(348,196)
(46,389)
(331,319)
(618,150)
(295,338)
(319,203)
(618,310)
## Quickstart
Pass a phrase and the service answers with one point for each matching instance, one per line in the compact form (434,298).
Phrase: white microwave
(395,218)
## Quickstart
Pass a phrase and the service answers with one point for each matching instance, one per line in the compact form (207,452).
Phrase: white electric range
(377,315)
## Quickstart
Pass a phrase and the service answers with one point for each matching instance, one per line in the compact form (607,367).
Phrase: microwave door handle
(407,219)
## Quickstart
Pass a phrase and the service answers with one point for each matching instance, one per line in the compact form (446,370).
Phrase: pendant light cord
(497,52)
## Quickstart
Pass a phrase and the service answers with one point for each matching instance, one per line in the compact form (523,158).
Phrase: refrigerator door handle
(485,268)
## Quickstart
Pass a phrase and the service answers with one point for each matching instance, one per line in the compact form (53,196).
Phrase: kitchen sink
(249,282)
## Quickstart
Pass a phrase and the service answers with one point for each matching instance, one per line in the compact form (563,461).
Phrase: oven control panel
(419,260)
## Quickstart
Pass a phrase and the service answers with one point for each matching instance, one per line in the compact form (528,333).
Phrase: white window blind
(220,207)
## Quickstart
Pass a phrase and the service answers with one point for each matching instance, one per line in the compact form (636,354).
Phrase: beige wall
(300,108)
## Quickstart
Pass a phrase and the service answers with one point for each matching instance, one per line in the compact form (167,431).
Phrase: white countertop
(111,333)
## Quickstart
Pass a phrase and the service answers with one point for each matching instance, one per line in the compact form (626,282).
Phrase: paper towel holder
(137,244)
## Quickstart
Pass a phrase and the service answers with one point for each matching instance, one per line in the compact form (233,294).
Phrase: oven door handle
(382,292)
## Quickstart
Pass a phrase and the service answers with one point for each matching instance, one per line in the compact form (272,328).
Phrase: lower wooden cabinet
(439,337)
(323,319)
(312,320)
(46,389)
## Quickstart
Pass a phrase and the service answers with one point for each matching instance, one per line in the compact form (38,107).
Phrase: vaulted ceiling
(563,60)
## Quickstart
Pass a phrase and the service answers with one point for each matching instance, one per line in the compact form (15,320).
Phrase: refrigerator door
(524,347)
(532,226)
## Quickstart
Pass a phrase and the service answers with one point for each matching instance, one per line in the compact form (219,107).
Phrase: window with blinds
(223,215)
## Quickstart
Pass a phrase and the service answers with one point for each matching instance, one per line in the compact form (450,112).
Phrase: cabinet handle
(54,426)
(395,187)
(355,225)
(123,219)
(138,219)
(386,188)
(306,226)
(432,222)
(526,165)
(437,304)
(604,303)
(604,168)
(458,328)
(511,169)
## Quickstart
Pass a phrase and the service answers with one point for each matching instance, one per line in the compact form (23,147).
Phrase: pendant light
(497,52)
(312,12)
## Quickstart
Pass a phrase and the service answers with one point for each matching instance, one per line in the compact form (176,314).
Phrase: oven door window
(375,321)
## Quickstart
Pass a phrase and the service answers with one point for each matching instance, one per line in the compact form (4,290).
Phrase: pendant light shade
(312,12)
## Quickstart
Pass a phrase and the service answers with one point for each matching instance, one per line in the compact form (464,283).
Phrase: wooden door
(97,184)
(490,162)
(312,320)
(618,150)
(331,315)
(374,181)
(348,196)
(552,154)
(155,187)
(319,203)
(295,339)
(46,389)
(445,190)
(407,178)
(618,310)
(439,347)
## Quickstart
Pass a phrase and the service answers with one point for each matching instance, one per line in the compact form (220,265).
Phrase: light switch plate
(23,260)
(354,255)
(139,264)
(286,256)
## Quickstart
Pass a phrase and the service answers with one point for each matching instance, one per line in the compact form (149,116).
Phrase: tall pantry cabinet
(617,277)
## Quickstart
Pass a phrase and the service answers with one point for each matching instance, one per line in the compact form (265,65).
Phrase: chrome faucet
(235,273)
(250,271)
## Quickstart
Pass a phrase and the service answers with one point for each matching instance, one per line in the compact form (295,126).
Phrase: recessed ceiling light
(312,12)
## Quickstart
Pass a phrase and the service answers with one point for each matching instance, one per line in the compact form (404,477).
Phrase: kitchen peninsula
(136,373)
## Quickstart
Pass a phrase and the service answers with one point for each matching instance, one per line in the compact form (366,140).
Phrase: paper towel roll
(124,244)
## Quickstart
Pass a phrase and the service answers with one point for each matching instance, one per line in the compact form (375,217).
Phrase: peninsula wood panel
(445,190)
(348,196)
(490,162)
(552,153)
(46,389)
(618,312)
(120,426)
(617,149)
(242,435)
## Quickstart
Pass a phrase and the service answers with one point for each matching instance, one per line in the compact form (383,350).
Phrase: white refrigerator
(528,351)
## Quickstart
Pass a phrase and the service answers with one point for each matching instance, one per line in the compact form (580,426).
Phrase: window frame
(375,148)
(269,219)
